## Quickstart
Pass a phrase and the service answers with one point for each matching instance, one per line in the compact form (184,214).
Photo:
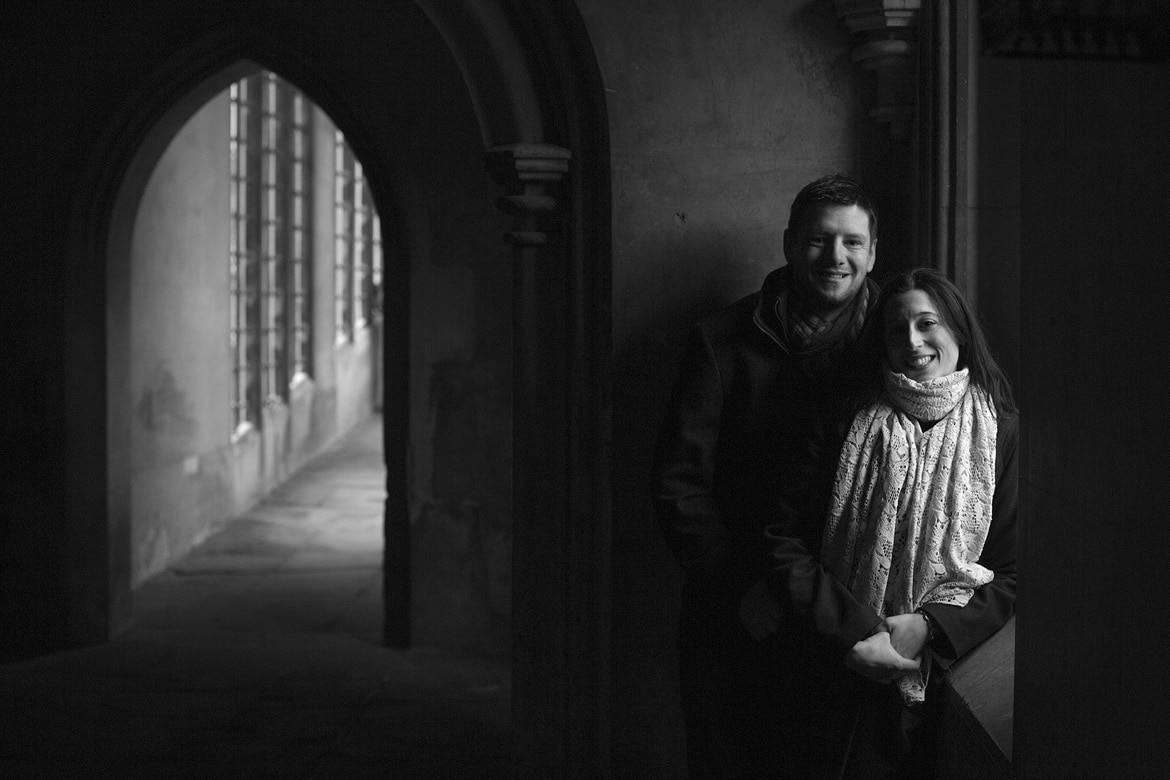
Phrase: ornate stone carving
(886,42)
(528,172)
(1090,29)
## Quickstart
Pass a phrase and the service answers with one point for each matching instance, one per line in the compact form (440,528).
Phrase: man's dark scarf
(804,333)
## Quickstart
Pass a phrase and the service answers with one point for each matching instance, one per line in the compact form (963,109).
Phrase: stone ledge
(976,739)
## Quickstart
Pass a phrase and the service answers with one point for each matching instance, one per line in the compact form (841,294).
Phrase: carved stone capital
(528,172)
(885,35)
(1052,29)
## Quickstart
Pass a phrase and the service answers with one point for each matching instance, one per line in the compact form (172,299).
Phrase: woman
(921,526)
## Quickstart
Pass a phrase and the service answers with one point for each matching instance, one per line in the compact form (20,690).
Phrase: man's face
(831,254)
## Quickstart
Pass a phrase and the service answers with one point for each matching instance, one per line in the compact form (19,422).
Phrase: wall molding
(1101,30)
(885,41)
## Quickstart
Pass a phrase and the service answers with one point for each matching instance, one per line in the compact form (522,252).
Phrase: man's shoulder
(733,318)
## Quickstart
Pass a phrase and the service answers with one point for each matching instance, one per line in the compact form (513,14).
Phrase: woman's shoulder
(1008,431)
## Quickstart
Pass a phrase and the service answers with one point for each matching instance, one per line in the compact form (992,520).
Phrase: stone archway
(535,87)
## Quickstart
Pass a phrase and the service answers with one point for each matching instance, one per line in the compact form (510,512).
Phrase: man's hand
(908,634)
(876,659)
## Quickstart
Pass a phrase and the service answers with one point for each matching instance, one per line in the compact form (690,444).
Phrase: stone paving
(258,655)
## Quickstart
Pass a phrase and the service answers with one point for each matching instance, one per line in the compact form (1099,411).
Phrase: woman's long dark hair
(974,354)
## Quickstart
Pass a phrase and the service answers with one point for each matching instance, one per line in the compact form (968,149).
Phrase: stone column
(559,663)
(884,35)
(885,42)
(945,134)
(923,58)
(529,173)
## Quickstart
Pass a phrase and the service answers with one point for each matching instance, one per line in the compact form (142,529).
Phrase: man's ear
(872,255)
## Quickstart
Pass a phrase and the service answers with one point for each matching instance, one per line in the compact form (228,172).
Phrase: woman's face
(918,343)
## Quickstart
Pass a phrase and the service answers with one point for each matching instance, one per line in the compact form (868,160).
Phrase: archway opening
(539,88)
(254,268)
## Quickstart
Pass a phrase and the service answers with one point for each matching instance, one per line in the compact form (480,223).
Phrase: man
(750,440)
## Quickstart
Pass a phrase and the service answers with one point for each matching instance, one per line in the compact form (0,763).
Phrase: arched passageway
(533,85)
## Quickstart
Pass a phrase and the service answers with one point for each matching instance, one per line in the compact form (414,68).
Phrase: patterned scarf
(805,333)
(910,509)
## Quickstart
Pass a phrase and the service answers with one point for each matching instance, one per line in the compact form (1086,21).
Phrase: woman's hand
(876,659)
(908,634)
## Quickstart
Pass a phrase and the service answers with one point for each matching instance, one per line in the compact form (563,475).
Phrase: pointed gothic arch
(536,90)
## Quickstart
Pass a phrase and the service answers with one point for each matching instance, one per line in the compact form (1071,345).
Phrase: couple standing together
(837,476)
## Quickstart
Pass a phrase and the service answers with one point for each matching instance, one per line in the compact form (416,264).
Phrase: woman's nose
(904,338)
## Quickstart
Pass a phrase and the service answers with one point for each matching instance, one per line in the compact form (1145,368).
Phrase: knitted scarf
(910,509)
(805,333)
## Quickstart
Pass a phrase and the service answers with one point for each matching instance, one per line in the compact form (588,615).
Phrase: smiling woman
(919,343)
(921,527)
(928,302)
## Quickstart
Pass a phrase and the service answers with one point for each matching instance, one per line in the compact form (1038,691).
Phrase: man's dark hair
(834,189)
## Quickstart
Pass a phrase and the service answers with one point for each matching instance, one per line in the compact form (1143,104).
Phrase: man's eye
(815,241)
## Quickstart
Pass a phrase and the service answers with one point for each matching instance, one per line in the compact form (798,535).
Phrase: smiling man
(750,441)
(830,253)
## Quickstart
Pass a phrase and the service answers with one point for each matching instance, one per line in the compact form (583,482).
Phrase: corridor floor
(258,655)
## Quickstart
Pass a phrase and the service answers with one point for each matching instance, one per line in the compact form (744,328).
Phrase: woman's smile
(919,344)
(917,362)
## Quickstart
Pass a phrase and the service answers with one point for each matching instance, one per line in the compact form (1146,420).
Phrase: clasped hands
(893,651)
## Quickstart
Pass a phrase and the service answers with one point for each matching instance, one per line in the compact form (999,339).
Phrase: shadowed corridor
(259,655)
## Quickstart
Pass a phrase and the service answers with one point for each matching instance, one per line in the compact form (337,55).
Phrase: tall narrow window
(269,255)
(301,234)
(361,218)
(358,269)
(368,246)
(374,296)
(244,121)
(343,220)
(273,241)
